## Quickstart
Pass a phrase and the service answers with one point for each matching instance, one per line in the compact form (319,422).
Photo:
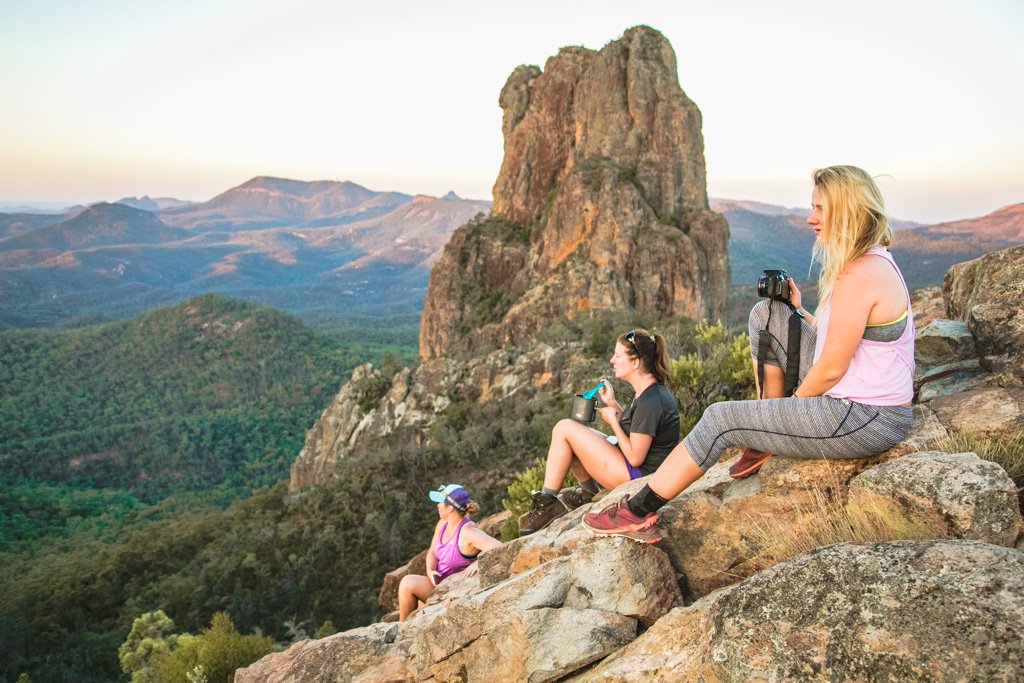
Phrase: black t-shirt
(655,413)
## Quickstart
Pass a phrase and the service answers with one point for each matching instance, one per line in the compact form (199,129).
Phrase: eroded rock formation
(600,203)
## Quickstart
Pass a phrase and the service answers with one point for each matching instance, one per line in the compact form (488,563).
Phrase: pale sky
(112,98)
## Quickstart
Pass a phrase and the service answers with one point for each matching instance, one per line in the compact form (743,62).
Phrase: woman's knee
(758,317)
(564,427)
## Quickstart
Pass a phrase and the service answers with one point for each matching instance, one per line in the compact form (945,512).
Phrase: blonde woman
(453,548)
(856,371)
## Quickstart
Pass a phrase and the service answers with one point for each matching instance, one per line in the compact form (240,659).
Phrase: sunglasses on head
(449,500)
(631,338)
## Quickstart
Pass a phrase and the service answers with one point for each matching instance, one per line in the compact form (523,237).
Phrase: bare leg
(675,474)
(585,451)
(774,381)
(412,591)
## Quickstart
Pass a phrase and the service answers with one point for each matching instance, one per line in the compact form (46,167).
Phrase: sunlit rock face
(601,203)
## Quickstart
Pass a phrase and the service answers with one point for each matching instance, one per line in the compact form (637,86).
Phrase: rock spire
(600,203)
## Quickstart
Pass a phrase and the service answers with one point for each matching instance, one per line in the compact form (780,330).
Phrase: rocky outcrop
(902,611)
(986,293)
(600,203)
(547,606)
(372,407)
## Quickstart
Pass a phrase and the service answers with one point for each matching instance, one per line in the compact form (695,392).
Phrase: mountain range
(327,250)
(320,250)
(765,236)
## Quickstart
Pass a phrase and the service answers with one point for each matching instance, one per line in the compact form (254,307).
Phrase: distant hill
(147,203)
(322,250)
(765,236)
(1005,225)
(277,202)
(211,393)
(99,225)
(16,223)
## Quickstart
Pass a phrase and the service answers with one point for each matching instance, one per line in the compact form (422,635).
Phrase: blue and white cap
(453,494)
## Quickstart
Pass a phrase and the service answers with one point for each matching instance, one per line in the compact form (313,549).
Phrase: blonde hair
(853,218)
(471,509)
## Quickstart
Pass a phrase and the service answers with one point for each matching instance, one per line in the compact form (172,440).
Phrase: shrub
(152,634)
(213,655)
(718,368)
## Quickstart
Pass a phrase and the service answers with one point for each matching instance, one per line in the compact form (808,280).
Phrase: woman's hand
(606,393)
(609,414)
(795,297)
(471,570)
(434,576)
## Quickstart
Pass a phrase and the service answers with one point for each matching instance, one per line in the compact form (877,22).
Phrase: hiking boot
(544,509)
(574,497)
(749,463)
(616,519)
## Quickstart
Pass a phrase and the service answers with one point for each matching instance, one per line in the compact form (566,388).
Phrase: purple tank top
(880,373)
(450,559)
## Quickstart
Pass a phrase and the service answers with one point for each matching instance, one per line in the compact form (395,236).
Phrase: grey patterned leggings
(816,427)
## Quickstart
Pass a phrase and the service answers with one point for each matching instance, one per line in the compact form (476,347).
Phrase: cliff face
(600,203)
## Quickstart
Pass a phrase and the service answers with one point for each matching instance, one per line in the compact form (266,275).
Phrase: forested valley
(145,468)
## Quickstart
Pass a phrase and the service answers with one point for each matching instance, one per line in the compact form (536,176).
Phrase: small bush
(718,368)
(213,656)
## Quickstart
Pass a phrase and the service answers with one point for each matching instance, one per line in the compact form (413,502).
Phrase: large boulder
(543,623)
(958,494)
(982,411)
(898,611)
(987,294)
(340,658)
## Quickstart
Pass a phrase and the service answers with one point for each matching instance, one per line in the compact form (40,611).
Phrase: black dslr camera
(774,284)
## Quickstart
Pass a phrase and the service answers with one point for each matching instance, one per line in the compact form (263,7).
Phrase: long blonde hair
(853,217)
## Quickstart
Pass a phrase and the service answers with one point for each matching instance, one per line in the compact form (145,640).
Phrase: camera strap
(792,353)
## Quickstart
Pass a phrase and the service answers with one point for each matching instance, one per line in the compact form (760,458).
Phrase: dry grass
(825,520)
(1005,451)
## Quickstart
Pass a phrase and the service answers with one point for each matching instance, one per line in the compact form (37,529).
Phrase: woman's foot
(749,463)
(575,497)
(544,509)
(617,520)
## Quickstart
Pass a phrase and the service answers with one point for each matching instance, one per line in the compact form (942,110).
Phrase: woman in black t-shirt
(642,436)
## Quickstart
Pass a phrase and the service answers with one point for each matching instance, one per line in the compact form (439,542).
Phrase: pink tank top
(880,373)
(450,559)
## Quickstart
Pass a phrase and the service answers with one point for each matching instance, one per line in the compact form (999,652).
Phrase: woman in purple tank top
(453,549)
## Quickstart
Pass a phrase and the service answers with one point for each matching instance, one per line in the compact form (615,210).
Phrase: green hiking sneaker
(544,509)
